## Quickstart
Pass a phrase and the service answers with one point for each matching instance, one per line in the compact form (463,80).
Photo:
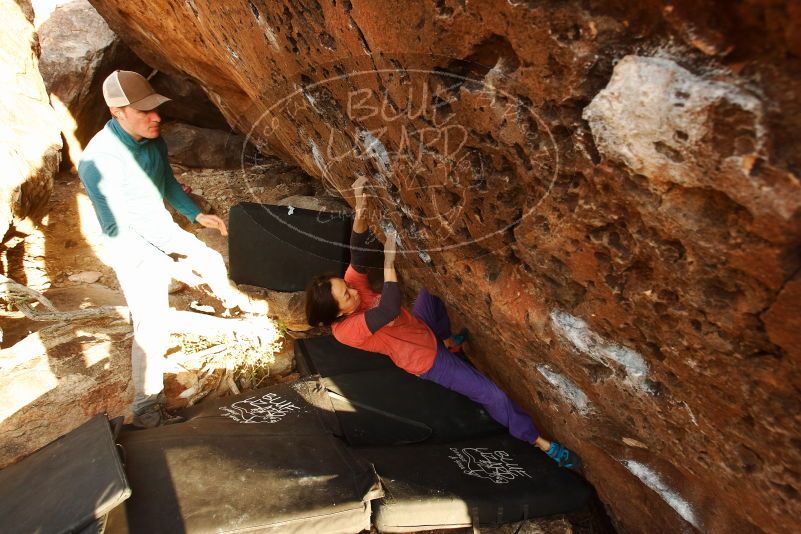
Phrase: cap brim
(149,102)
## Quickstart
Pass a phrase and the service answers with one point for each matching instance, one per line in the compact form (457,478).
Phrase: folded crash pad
(283,248)
(391,406)
(326,356)
(66,485)
(263,461)
(491,480)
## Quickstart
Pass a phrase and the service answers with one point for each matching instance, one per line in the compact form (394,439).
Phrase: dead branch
(19,295)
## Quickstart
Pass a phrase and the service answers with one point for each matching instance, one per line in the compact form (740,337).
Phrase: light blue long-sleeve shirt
(128,181)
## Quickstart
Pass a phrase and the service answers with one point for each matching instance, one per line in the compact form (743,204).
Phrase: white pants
(144,273)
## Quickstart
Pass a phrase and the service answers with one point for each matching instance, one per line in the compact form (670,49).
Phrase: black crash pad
(391,406)
(495,480)
(296,408)
(66,485)
(326,356)
(218,473)
(279,248)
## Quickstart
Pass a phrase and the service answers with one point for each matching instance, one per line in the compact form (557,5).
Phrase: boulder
(57,378)
(189,103)
(30,140)
(78,51)
(673,127)
(192,146)
(329,204)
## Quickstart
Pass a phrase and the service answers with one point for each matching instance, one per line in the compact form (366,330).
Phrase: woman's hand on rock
(358,192)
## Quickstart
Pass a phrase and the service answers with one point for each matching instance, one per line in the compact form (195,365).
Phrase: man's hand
(212,221)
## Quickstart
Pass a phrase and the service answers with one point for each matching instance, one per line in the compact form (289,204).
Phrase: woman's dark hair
(321,308)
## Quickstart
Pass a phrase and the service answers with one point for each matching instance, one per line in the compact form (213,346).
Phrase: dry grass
(220,365)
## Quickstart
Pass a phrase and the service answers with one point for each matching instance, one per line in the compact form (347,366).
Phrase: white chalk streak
(318,158)
(571,392)
(578,334)
(376,150)
(655,482)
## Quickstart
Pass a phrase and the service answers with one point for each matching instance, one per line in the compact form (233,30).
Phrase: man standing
(127,175)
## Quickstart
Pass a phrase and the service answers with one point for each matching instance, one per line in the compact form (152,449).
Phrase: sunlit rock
(29,138)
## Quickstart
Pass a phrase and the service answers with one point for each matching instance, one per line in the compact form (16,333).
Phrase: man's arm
(178,198)
(98,177)
(173,192)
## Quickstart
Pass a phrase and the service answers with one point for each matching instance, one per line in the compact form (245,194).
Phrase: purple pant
(452,372)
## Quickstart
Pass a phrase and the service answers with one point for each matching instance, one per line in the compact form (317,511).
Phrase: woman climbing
(417,342)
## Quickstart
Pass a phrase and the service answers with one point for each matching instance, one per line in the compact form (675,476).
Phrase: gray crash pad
(66,485)
(264,461)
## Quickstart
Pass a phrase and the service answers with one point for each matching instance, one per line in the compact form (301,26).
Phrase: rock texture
(606,194)
(192,146)
(189,103)
(30,141)
(53,381)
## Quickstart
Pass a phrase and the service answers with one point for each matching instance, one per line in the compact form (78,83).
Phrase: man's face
(139,124)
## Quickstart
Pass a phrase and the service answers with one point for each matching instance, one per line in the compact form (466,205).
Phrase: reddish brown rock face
(606,193)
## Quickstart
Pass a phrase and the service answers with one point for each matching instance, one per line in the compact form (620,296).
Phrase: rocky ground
(85,364)
(62,257)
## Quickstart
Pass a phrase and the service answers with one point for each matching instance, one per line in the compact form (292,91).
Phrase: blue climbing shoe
(456,341)
(564,457)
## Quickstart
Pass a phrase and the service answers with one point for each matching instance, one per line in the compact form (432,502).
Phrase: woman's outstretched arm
(359,232)
(390,249)
(389,307)
(360,206)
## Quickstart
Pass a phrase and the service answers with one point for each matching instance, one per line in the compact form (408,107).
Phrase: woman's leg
(455,374)
(432,311)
